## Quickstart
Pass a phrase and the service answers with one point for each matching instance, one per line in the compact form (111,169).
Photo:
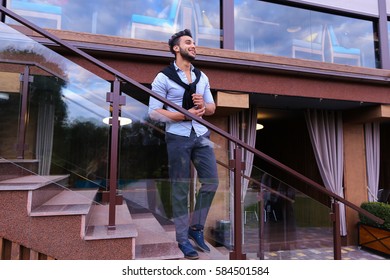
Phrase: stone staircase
(156,239)
(66,226)
(42,216)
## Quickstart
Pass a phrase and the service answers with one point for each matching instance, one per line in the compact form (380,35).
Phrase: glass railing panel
(142,158)
(144,175)
(283,222)
(292,222)
(66,108)
(66,146)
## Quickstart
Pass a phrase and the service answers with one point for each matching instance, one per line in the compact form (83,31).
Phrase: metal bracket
(110,98)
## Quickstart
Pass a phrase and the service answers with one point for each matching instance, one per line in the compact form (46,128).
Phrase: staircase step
(31,182)
(97,224)
(67,202)
(13,168)
(219,253)
(153,242)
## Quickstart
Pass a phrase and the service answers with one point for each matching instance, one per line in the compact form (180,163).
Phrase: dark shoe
(188,250)
(196,234)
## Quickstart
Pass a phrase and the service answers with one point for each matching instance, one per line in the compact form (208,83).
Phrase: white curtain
(242,126)
(372,141)
(326,134)
(45,137)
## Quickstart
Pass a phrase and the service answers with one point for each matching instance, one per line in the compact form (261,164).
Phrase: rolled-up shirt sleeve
(159,87)
(207,96)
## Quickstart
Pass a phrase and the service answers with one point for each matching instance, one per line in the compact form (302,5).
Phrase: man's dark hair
(175,38)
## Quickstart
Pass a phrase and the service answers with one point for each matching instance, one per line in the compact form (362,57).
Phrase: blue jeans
(181,151)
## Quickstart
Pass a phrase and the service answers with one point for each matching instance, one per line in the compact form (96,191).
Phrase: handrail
(120,76)
(34,64)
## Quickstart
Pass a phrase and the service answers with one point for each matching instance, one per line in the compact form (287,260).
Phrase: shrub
(379,209)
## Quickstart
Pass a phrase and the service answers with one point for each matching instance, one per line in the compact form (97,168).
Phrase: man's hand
(209,108)
(198,100)
(197,111)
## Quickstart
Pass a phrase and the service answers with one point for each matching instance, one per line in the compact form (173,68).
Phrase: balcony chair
(167,24)
(384,195)
(379,196)
(338,51)
(29,9)
(251,207)
(203,28)
(312,44)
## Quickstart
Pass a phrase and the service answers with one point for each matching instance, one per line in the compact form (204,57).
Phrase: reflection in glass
(268,28)
(388,34)
(280,221)
(149,20)
(160,21)
(43,13)
(260,27)
(66,106)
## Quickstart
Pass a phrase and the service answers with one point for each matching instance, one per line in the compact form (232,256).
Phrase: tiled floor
(313,244)
(324,253)
(304,244)
(347,253)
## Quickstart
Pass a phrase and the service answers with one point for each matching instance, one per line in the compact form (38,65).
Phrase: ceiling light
(4,96)
(122,121)
(259,126)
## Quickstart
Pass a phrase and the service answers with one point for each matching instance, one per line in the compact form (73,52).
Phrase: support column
(355,176)
(25,81)
(383,35)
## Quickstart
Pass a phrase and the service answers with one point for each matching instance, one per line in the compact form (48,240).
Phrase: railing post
(237,165)
(336,230)
(116,101)
(25,80)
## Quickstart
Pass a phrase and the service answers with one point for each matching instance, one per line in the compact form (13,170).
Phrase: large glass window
(142,19)
(260,26)
(269,28)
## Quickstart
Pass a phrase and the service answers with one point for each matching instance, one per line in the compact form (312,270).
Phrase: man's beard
(186,55)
